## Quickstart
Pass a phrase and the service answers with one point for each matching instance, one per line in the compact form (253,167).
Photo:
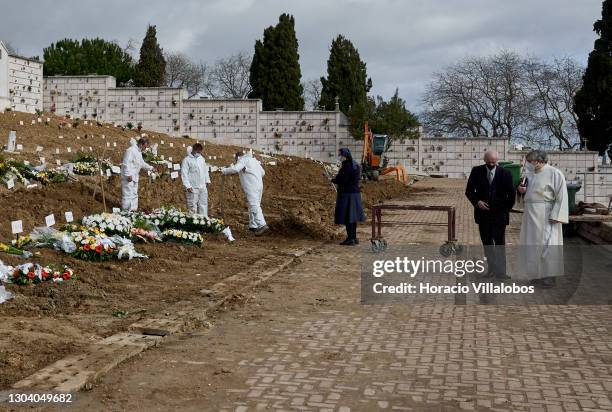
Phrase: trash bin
(572,188)
(515,171)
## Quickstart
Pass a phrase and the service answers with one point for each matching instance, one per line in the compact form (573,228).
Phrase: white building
(21,82)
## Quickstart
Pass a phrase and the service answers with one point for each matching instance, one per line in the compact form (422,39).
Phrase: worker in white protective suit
(251,177)
(195,177)
(130,172)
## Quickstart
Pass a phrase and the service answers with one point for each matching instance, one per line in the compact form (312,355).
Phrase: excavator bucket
(401,174)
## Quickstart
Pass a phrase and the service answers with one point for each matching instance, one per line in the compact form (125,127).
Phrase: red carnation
(16,274)
(99,248)
(31,275)
(86,246)
(66,275)
(45,274)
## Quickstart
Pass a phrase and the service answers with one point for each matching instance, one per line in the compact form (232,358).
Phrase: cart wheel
(376,246)
(458,249)
(383,244)
(446,249)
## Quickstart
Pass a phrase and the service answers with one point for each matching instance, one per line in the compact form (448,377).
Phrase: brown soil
(46,322)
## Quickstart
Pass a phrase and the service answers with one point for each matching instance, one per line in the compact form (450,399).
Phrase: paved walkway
(304,342)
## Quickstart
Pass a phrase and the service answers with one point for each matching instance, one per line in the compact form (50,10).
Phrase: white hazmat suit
(194,174)
(251,178)
(130,168)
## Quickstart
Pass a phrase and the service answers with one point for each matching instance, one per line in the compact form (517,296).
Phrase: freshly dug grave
(46,322)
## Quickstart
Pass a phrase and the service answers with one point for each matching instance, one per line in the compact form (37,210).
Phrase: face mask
(490,167)
(196,155)
(529,167)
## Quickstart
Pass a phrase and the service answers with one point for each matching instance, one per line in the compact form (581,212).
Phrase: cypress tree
(275,73)
(348,80)
(593,103)
(151,67)
(346,77)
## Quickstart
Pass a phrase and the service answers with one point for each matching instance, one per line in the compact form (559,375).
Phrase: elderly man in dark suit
(491,192)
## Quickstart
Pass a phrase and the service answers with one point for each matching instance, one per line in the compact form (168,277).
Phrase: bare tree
(312,93)
(229,77)
(131,47)
(552,87)
(480,96)
(182,72)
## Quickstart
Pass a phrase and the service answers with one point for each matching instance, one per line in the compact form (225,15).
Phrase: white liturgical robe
(545,210)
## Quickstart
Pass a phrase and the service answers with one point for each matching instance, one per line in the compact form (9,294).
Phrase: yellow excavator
(374,162)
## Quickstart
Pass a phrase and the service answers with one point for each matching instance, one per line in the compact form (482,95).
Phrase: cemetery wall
(5,101)
(21,82)
(317,134)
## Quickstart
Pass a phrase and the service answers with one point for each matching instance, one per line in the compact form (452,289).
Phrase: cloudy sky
(402,41)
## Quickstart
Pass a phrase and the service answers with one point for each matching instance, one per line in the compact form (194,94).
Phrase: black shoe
(356,241)
(490,274)
(252,229)
(261,230)
(349,242)
(547,283)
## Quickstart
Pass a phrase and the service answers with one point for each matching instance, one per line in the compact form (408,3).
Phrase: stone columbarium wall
(21,82)
(230,121)
(315,134)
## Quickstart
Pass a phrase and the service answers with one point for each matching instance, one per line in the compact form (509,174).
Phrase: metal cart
(379,243)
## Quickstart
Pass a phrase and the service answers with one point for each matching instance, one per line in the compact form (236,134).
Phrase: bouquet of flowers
(182,236)
(108,223)
(145,235)
(125,249)
(175,219)
(150,157)
(49,176)
(72,227)
(85,168)
(144,230)
(21,242)
(12,250)
(17,174)
(29,273)
(87,165)
(91,246)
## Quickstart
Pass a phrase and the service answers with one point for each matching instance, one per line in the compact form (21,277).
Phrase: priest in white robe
(545,211)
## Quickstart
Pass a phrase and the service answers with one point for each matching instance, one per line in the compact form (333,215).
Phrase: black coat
(348,177)
(348,199)
(499,195)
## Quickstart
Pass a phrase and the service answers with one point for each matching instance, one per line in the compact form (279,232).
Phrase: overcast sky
(402,42)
